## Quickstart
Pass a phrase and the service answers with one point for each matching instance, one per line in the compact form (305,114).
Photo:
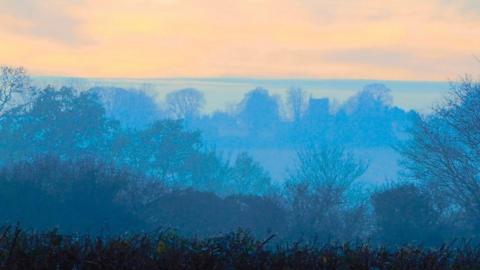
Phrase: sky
(352,39)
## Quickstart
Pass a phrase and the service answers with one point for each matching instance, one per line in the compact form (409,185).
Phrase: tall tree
(317,191)
(365,118)
(58,122)
(185,103)
(297,103)
(132,108)
(259,110)
(13,85)
(249,177)
(444,151)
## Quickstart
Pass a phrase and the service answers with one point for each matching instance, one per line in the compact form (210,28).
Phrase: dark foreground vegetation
(166,250)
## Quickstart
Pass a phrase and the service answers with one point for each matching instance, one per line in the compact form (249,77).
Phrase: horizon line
(246,78)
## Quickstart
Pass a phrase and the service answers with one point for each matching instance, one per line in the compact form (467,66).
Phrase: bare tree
(297,103)
(317,190)
(329,166)
(444,151)
(185,103)
(13,82)
(372,98)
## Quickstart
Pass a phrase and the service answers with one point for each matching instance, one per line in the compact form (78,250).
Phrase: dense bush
(89,196)
(405,214)
(81,196)
(201,213)
(166,250)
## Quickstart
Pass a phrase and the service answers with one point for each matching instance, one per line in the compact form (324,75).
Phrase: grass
(238,250)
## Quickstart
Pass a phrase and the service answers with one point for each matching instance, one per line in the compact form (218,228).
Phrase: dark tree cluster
(72,125)
(89,196)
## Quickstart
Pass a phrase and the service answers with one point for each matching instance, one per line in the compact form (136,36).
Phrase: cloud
(428,39)
(469,8)
(374,57)
(46,19)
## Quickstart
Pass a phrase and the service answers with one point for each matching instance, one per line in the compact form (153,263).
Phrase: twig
(265,241)
(12,247)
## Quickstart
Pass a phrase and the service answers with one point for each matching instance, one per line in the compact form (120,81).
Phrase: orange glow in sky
(401,40)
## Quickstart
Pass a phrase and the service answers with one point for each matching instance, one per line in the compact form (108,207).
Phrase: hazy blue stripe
(219,92)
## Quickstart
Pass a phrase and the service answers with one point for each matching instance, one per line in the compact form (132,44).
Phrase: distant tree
(58,122)
(297,103)
(366,117)
(443,152)
(249,177)
(404,214)
(259,110)
(14,83)
(185,103)
(174,155)
(329,166)
(132,108)
(316,124)
(317,190)
(372,98)
(219,126)
(161,149)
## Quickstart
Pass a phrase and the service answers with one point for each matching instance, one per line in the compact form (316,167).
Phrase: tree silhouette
(185,103)
(13,84)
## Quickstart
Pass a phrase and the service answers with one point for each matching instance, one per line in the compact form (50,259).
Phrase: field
(382,163)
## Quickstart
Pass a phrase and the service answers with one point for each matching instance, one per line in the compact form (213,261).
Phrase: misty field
(382,167)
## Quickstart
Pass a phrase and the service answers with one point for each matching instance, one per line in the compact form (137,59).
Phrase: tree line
(264,120)
(67,163)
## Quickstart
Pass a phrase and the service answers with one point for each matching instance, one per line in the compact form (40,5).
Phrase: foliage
(61,123)
(258,110)
(249,177)
(317,192)
(297,103)
(261,120)
(185,103)
(72,125)
(14,85)
(443,153)
(81,196)
(89,196)
(132,108)
(66,163)
(165,250)
(406,214)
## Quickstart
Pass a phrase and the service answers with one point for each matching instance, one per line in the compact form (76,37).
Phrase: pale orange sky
(400,40)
